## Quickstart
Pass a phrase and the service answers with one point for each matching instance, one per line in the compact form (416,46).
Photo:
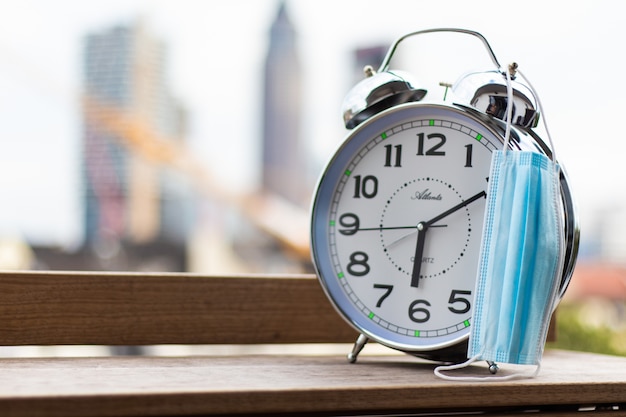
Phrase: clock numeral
(389,150)
(366,186)
(419,314)
(358,265)
(468,155)
(455,299)
(351,223)
(387,288)
(433,150)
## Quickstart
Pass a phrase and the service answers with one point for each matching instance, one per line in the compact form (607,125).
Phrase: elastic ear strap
(473,359)
(453,367)
(509,107)
(543,115)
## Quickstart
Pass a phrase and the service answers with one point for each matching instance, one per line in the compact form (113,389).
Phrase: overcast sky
(572,52)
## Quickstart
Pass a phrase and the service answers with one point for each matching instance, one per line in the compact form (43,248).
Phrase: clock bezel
(325,191)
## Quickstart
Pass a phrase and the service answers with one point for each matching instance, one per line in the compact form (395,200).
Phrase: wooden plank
(58,308)
(299,385)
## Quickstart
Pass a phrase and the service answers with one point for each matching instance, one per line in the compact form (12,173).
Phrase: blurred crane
(280,219)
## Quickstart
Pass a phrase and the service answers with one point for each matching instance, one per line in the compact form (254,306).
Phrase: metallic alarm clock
(408,160)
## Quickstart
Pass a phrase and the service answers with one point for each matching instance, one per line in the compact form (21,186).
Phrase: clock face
(397,223)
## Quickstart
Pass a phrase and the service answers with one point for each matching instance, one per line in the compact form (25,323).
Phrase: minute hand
(455,208)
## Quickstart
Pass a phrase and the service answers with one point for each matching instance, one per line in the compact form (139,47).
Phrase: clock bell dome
(377,92)
(486,92)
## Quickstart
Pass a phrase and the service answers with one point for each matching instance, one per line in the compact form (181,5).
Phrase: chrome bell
(486,92)
(377,92)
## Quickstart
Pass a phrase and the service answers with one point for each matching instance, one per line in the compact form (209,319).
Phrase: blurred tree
(572,334)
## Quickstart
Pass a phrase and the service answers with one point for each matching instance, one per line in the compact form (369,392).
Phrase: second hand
(396,227)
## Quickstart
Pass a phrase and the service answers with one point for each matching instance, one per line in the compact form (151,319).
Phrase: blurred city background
(188,135)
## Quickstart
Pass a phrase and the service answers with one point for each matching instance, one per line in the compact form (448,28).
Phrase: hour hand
(419,251)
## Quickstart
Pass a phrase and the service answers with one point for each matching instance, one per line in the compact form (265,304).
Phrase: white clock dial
(397,224)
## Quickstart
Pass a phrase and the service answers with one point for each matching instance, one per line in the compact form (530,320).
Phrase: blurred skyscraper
(370,55)
(127,107)
(284,162)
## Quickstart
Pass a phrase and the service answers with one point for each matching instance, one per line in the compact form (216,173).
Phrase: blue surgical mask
(520,262)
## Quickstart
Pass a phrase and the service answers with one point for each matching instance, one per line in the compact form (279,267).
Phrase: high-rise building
(284,164)
(370,55)
(128,106)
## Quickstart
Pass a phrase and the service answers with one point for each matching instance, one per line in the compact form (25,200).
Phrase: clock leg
(493,367)
(358,346)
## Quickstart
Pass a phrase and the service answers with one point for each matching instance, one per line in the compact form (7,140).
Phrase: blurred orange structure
(285,222)
(599,280)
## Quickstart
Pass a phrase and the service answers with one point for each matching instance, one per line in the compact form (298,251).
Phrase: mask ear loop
(509,105)
(468,362)
(541,112)
(513,69)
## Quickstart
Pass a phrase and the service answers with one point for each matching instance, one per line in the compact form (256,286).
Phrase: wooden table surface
(297,385)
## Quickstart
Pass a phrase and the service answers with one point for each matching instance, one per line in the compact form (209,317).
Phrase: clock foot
(493,367)
(357,348)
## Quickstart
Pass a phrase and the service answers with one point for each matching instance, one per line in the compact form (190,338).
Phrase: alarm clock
(397,214)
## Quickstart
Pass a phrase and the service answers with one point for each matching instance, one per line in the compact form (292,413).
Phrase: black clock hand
(422,227)
(455,208)
(419,250)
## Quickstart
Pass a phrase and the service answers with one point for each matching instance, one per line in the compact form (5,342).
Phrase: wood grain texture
(57,308)
(41,308)
(299,385)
